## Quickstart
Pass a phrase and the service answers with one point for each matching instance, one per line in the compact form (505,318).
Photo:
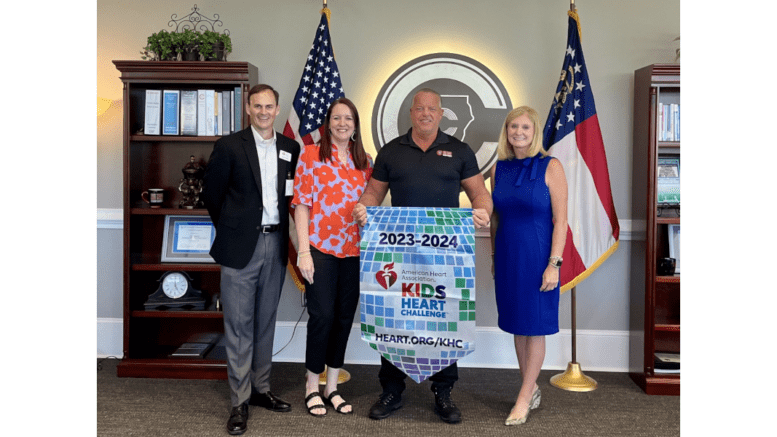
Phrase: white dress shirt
(268,166)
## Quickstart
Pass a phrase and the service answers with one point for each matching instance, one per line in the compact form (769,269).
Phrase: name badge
(286,156)
(289,187)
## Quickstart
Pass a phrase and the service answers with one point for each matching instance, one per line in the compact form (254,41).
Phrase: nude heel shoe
(534,403)
(536,397)
(518,420)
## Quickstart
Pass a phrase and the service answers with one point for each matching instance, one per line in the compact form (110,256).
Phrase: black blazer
(232,193)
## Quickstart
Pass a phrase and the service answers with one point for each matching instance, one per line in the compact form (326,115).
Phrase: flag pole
(571,5)
(573,378)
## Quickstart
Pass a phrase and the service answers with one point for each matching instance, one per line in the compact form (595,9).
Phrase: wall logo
(386,277)
(474,102)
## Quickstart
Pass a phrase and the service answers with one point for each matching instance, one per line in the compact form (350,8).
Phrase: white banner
(417,285)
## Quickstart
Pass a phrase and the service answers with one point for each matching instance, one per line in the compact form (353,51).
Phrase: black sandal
(314,406)
(342,405)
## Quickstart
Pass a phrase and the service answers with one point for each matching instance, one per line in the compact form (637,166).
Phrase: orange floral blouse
(330,190)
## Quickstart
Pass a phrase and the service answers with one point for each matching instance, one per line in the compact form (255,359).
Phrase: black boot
(386,404)
(445,408)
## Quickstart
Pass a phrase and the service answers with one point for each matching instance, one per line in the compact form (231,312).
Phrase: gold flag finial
(328,20)
(327,12)
(572,12)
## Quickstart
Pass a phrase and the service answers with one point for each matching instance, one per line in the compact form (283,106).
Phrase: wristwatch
(555,261)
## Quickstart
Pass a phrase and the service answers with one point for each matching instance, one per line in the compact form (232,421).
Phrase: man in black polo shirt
(424,168)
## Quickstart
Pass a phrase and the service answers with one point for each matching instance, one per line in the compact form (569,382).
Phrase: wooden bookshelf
(156,161)
(655,299)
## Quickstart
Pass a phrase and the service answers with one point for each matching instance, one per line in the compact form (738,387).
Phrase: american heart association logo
(386,277)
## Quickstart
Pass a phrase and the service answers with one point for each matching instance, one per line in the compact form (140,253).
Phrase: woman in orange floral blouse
(330,178)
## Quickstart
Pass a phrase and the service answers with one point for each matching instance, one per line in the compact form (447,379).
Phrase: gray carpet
(169,407)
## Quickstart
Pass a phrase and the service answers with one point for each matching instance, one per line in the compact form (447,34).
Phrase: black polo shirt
(425,179)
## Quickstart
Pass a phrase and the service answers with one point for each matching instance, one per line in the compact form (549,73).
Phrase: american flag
(319,86)
(573,136)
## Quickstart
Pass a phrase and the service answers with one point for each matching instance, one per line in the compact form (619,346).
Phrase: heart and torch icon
(386,277)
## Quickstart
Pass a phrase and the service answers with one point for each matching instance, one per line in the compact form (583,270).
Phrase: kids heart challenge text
(417,300)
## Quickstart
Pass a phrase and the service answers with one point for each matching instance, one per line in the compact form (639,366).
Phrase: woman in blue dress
(528,233)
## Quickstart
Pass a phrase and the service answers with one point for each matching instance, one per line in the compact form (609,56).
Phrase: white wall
(523,42)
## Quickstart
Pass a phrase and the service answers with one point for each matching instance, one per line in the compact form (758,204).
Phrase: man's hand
(480,199)
(481,218)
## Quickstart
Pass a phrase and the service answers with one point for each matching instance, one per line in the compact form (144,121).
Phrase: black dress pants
(393,380)
(332,301)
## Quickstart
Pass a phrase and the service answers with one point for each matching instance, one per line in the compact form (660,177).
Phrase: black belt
(266,229)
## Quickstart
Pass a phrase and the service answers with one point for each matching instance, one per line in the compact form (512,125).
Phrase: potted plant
(227,42)
(214,46)
(159,46)
(188,45)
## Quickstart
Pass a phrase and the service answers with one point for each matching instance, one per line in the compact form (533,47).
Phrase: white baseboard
(606,351)
(110,335)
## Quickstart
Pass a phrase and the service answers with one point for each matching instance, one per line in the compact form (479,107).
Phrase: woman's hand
(549,278)
(305,264)
(360,214)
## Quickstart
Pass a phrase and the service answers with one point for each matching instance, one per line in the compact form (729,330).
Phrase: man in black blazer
(247,187)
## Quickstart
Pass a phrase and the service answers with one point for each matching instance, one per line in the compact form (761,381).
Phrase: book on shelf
(669,122)
(217,113)
(238,109)
(194,350)
(153,112)
(209,114)
(188,112)
(666,362)
(171,103)
(232,111)
(226,109)
(201,124)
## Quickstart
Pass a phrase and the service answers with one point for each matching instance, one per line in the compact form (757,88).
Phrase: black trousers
(393,380)
(332,301)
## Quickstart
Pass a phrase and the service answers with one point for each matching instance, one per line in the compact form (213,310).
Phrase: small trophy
(191,185)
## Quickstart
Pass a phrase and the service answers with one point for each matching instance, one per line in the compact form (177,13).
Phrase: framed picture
(668,183)
(188,239)
(674,245)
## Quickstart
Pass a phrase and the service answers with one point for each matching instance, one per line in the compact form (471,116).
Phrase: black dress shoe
(238,420)
(445,408)
(386,405)
(269,401)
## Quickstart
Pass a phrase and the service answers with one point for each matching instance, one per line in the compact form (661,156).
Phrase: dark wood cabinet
(156,161)
(655,299)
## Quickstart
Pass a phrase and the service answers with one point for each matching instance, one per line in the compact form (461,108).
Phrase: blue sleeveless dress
(522,247)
